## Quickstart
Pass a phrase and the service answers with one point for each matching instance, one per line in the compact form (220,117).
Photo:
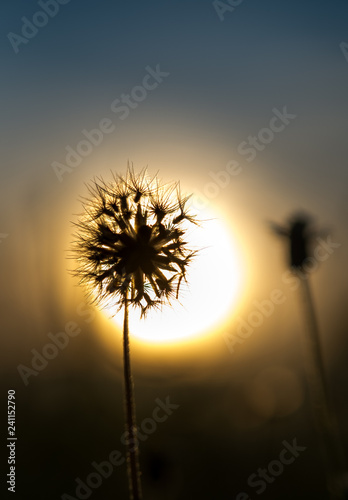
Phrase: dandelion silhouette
(131,252)
(300,234)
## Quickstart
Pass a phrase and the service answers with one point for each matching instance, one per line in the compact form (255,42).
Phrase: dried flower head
(299,231)
(129,242)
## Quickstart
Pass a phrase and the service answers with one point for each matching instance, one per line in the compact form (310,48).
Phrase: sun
(211,295)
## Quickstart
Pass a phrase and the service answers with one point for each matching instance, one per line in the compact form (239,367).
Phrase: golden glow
(275,391)
(214,284)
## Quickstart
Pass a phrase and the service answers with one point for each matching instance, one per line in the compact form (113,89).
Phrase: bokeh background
(227,73)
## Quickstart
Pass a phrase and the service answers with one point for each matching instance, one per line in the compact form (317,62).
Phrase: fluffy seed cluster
(129,241)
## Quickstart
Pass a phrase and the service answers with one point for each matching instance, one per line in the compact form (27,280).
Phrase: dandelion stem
(323,415)
(131,428)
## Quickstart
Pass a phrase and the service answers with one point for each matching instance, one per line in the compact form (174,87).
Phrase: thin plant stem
(322,412)
(131,251)
(133,467)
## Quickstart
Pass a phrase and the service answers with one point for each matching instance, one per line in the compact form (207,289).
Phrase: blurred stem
(323,417)
(133,468)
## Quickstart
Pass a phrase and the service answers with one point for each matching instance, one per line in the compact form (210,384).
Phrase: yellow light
(214,287)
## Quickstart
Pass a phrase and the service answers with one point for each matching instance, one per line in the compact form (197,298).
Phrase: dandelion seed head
(129,241)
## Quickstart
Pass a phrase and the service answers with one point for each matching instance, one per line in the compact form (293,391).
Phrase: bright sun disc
(214,279)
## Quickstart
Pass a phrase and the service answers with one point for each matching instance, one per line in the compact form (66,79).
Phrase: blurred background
(223,73)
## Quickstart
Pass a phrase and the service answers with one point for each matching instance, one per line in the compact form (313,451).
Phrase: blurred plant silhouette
(130,251)
(300,233)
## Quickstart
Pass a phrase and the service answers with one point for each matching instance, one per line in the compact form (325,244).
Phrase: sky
(244,103)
